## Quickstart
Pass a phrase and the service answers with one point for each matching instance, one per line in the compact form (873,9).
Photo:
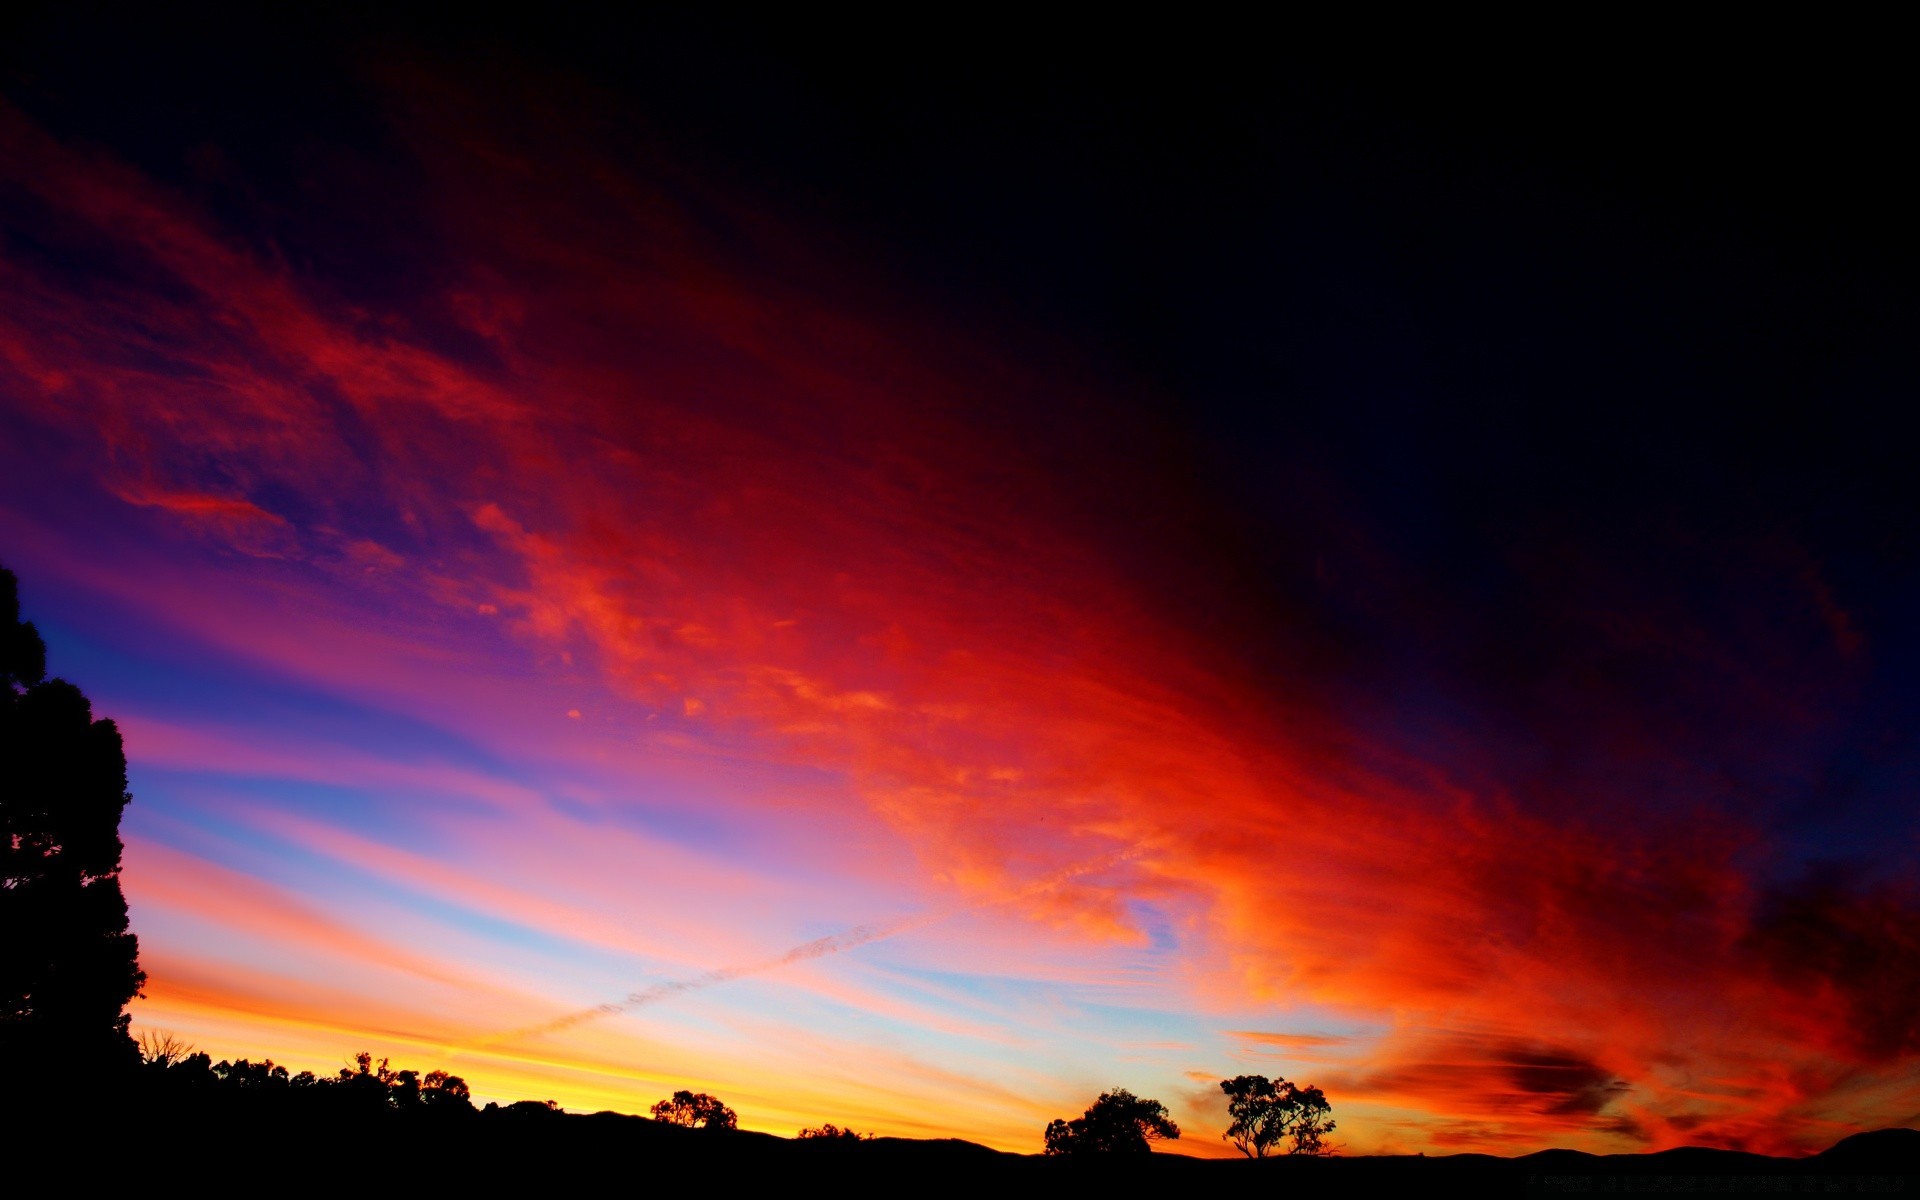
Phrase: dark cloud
(1575,1085)
(1853,942)
(1493,1075)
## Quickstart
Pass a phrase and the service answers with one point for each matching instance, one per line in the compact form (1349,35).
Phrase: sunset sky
(1011,567)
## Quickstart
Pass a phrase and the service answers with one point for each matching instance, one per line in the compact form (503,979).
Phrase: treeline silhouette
(368,1121)
(171,1071)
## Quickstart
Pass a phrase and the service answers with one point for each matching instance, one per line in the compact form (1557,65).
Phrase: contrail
(834,943)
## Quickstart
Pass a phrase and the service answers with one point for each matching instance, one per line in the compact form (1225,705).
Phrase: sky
(909,589)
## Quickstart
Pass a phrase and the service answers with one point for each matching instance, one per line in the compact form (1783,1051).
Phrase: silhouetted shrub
(830,1132)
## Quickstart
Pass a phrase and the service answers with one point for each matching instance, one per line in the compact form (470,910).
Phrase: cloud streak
(820,947)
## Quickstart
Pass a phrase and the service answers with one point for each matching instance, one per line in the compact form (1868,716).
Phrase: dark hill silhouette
(257,1130)
(1880,1150)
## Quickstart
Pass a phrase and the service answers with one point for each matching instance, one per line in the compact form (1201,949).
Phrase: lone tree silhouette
(695,1110)
(1119,1122)
(68,965)
(1267,1113)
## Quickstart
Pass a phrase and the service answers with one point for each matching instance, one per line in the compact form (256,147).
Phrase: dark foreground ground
(234,1147)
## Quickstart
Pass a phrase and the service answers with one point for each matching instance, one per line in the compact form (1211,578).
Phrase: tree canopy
(695,1110)
(68,964)
(1270,1113)
(1119,1122)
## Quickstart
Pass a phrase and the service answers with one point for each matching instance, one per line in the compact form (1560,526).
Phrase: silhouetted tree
(695,1110)
(366,1083)
(441,1092)
(404,1092)
(195,1070)
(68,965)
(1119,1122)
(251,1075)
(1267,1113)
(830,1132)
(160,1050)
(374,1084)
(1313,1124)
